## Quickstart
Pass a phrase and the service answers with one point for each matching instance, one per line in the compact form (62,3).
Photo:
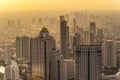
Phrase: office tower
(76,39)
(40,47)
(99,36)
(54,65)
(12,72)
(7,51)
(111,51)
(11,69)
(93,27)
(23,47)
(116,44)
(74,24)
(108,53)
(118,56)
(86,39)
(68,69)
(64,37)
(92,33)
(88,62)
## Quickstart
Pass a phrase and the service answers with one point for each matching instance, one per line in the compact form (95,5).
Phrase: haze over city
(44,5)
(59,39)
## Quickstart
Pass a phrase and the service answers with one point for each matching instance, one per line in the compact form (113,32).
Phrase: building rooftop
(44,29)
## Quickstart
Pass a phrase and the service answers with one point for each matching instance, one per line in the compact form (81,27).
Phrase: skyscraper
(86,39)
(99,36)
(53,65)
(40,48)
(92,33)
(11,69)
(76,39)
(64,37)
(88,62)
(12,72)
(7,50)
(68,69)
(108,53)
(23,47)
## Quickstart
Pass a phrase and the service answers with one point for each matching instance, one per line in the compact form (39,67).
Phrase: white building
(11,68)
(12,72)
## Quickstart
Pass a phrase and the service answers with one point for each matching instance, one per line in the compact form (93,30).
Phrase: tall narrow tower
(92,33)
(64,37)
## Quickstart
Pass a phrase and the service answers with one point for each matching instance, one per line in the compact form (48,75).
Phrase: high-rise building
(99,36)
(76,39)
(92,33)
(40,48)
(7,50)
(116,44)
(108,53)
(11,69)
(118,55)
(64,37)
(68,69)
(74,24)
(93,27)
(23,47)
(88,62)
(86,39)
(12,72)
(54,65)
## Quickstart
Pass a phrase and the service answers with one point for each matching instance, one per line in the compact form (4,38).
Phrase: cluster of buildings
(88,56)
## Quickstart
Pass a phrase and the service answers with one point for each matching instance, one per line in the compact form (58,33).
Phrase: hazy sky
(29,5)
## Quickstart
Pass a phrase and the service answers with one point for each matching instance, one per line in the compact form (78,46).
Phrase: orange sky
(29,5)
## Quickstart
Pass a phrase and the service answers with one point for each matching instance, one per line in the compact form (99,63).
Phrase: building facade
(88,62)
(64,37)
(23,47)
(40,47)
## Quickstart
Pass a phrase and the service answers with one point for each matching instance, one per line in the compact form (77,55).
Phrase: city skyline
(59,40)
